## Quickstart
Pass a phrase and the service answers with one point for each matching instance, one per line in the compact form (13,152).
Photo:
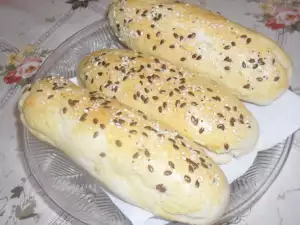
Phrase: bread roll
(195,106)
(252,65)
(137,159)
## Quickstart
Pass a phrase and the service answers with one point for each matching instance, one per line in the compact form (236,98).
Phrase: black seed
(227,47)
(165,105)
(150,168)
(172,46)
(147,153)
(152,25)
(227,59)
(175,35)
(192,35)
(244,65)
(209,89)
(171,164)
(96,134)
(260,61)
(177,90)
(175,146)
(155,98)
(194,103)
(227,107)
(226,146)
(50,96)
(191,169)
(194,120)
(273,61)
(138,32)
(72,102)
(137,11)
(248,40)
(255,66)
(187,178)
(234,108)
(161,188)
(136,155)
(233,43)
(160,109)
(244,36)
(247,86)
(226,68)
(162,91)
(252,60)
(102,126)
(216,98)
(83,117)
(197,184)
(95,120)
(158,34)
(194,56)
(133,123)
(102,154)
(220,115)
(276,78)
(167,173)
(144,134)
(201,130)
(162,41)
(221,126)
(154,48)
(148,36)
(183,105)
(134,97)
(118,143)
(182,59)
(65,110)
(199,57)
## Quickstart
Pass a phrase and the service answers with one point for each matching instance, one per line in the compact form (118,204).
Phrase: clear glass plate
(81,196)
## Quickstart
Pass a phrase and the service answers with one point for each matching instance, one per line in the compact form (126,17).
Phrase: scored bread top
(195,106)
(139,160)
(252,65)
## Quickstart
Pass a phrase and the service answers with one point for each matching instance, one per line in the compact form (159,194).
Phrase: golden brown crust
(195,106)
(252,65)
(137,159)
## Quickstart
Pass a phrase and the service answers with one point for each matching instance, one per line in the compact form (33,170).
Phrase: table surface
(33,28)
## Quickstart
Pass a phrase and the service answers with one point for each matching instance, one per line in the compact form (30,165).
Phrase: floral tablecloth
(31,29)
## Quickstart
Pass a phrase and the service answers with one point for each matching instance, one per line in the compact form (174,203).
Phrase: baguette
(253,66)
(195,106)
(137,159)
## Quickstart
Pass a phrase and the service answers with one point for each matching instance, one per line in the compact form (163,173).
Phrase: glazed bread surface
(195,106)
(253,66)
(138,160)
